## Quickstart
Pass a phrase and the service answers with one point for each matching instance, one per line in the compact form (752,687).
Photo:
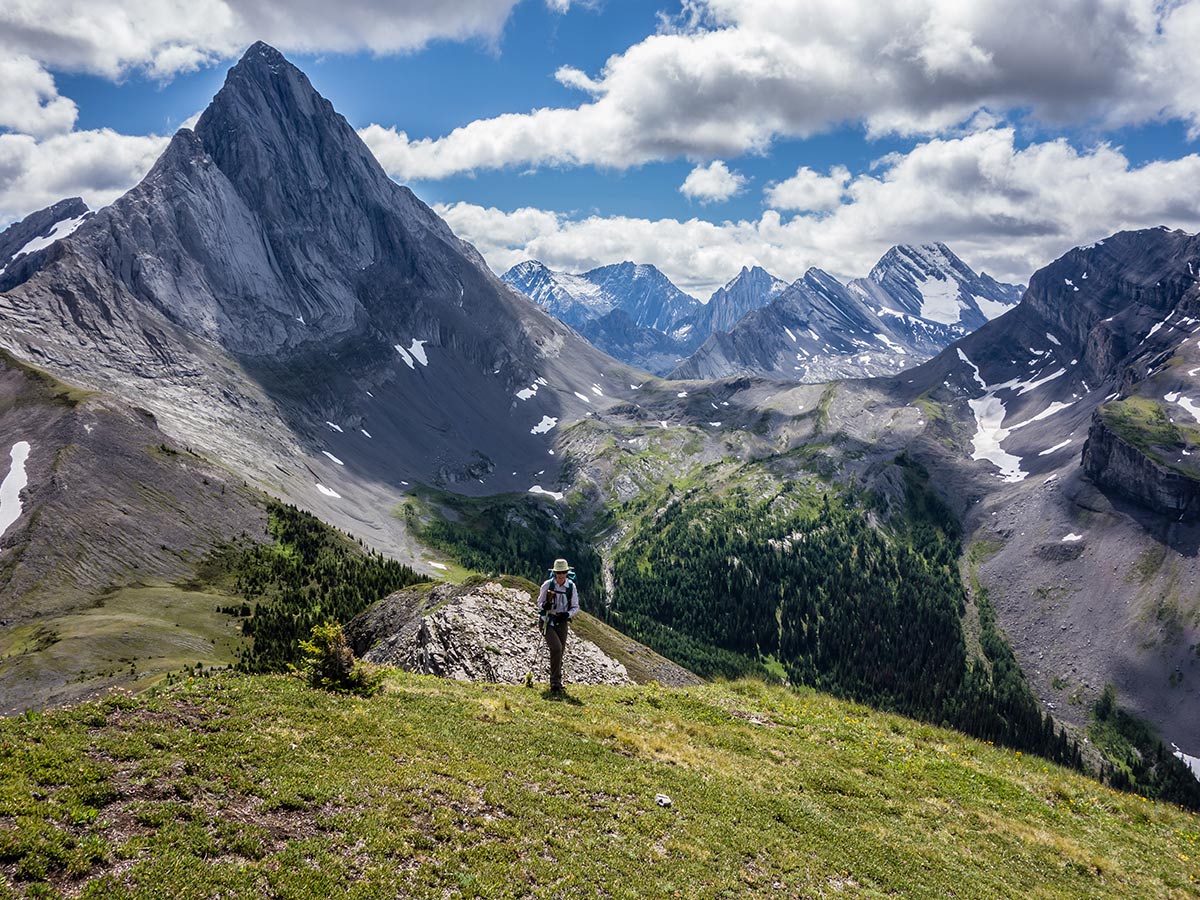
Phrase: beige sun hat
(560,565)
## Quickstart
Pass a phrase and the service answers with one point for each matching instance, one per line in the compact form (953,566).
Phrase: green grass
(133,637)
(933,411)
(1145,424)
(240,787)
(50,388)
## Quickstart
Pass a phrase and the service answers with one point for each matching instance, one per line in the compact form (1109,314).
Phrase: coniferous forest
(733,584)
(510,537)
(311,575)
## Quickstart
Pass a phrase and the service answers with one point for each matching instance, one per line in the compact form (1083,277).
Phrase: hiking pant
(556,640)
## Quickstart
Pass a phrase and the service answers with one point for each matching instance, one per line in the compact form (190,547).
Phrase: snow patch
(991,308)
(1052,339)
(438,565)
(538,489)
(989,414)
(940,301)
(1055,407)
(335,427)
(328,492)
(1192,762)
(414,354)
(789,334)
(1191,407)
(57,233)
(14,482)
(334,458)
(418,352)
(582,397)
(974,368)
(545,425)
(1055,448)
(365,432)
(1071,538)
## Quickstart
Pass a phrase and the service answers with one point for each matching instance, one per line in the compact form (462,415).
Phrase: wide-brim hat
(560,565)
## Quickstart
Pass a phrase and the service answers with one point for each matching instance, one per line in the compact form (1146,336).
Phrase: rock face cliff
(280,304)
(1142,475)
(484,632)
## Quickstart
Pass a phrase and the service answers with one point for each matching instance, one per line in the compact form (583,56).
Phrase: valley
(988,539)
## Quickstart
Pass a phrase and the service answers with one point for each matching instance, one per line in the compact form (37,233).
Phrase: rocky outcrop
(484,632)
(1116,465)
(36,225)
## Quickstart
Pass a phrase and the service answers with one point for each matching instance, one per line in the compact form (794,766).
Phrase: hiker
(558,602)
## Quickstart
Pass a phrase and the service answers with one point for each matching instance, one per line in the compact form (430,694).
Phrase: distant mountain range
(267,310)
(915,302)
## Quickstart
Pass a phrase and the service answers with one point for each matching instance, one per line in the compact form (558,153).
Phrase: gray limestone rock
(485,632)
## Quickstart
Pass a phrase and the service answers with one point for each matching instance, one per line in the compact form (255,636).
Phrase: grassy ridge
(251,786)
(1146,425)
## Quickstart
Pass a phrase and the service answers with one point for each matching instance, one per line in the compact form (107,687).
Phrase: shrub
(326,661)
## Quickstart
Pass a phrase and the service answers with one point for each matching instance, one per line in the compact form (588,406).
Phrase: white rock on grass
(485,633)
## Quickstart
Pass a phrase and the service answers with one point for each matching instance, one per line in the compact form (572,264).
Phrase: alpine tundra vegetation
(890,581)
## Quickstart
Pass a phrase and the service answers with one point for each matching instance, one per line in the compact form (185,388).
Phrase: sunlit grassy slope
(133,636)
(240,786)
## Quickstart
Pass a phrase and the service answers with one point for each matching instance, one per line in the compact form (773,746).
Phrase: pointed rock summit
(266,281)
(915,302)
(751,289)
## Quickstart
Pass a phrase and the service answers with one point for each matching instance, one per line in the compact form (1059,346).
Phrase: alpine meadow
(545,449)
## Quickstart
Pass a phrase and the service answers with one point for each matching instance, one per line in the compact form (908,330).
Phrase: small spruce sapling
(326,661)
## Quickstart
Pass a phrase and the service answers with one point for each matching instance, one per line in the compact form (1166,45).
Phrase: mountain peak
(262,52)
(263,89)
(526,267)
(295,162)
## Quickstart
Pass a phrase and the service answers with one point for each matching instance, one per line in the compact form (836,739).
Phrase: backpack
(570,588)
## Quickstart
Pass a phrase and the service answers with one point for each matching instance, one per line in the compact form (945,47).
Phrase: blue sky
(700,135)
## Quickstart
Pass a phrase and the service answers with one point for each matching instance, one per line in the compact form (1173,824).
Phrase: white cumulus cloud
(163,37)
(1006,210)
(30,102)
(809,191)
(97,165)
(712,183)
(733,76)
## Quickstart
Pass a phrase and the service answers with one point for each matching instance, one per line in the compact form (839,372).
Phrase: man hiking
(558,602)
